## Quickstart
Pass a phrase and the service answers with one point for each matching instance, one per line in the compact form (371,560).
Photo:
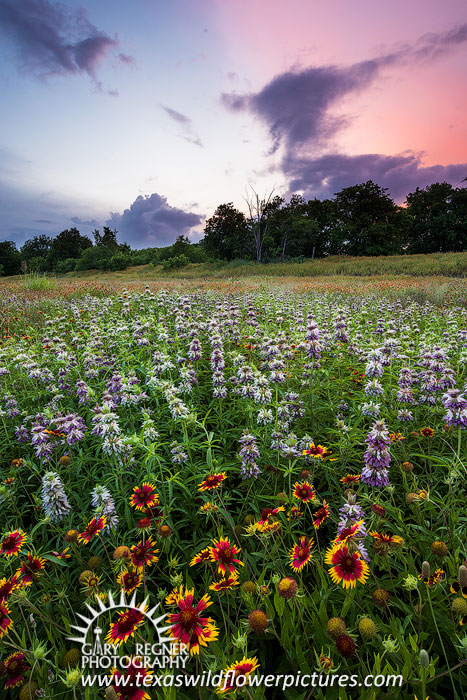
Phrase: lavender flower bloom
(377,457)
(455,404)
(314,348)
(194,353)
(72,425)
(103,504)
(43,447)
(178,455)
(54,500)
(249,453)
(405,415)
(21,433)
(82,391)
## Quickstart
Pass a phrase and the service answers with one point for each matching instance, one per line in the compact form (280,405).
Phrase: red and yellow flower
(14,668)
(301,553)
(129,580)
(92,529)
(11,545)
(304,491)
(202,557)
(144,496)
(321,515)
(348,534)
(30,569)
(225,584)
(232,674)
(383,542)
(126,625)
(434,578)
(268,519)
(144,553)
(427,432)
(132,686)
(317,451)
(347,567)
(5,620)
(224,552)
(211,482)
(7,586)
(189,626)
(350,479)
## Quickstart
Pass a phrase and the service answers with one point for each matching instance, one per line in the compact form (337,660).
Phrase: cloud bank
(151,221)
(297,109)
(53,39)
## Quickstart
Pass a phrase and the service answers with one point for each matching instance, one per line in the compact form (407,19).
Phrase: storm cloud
(151,221)
(53,39)
(298,108)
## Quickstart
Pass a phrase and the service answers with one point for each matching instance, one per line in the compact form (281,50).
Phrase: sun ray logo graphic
(119,604)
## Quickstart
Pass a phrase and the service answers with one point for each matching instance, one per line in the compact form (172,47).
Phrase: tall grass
(35,280)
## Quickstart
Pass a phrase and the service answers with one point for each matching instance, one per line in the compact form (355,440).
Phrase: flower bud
(424,659)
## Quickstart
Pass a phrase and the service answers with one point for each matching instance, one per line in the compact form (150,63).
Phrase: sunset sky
(145,115)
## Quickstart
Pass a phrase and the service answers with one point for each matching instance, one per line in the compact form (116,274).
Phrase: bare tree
(258,217)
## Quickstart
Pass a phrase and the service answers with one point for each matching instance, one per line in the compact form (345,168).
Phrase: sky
(146,115)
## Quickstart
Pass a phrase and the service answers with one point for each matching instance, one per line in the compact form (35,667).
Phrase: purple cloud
(151,221)
(52,39)
(297,108)
(188,132)
(401,174)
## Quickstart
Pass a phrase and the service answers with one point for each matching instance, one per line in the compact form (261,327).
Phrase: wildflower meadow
(274,480)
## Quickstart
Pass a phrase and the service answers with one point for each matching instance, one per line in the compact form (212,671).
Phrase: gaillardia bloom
(144,553)
(7,586)
(12,543)
(268,518)
(383,542)
(347,567)
(202,558)
(144,496)
(129,580)
(223,552)
(427,432)
(350,479)
(300,555)
(94,527)
(188,625)
(348,534)
(240,669)
(317,451)
(30,569)
(304,491)
(321,515)
(225,584)
(127,623)
(15,668)
(132,685)
(5,620)
(213,481)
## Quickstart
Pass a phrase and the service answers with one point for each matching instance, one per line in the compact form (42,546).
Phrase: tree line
(358,220)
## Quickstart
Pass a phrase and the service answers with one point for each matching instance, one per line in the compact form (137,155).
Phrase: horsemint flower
(232,674)
(13,542)
(223,552)
(188,625)
(94,527)
(301,553)
(144,496)
(347,567)
(213,481)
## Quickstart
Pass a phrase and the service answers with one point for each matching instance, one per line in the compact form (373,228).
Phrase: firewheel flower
(225,584)
(347,567)
(321,515)
(5,620)
(94,527)
(132,681)
(317,451)
(304,491)
(268,518)
(144,497)
(202,558)
(129,580)
(211,482)
(126,625)
(144,553)
(189,626)
(30,570)
(232,674)
(14,667)
(223,552)
(349,534)
(301,553)
(11,545)
(383,542)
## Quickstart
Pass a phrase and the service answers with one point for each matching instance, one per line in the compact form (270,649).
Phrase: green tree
(226,234)
(10,258)
(439,218)
(68,244)
(106,239)
(37,247)
(363,221)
